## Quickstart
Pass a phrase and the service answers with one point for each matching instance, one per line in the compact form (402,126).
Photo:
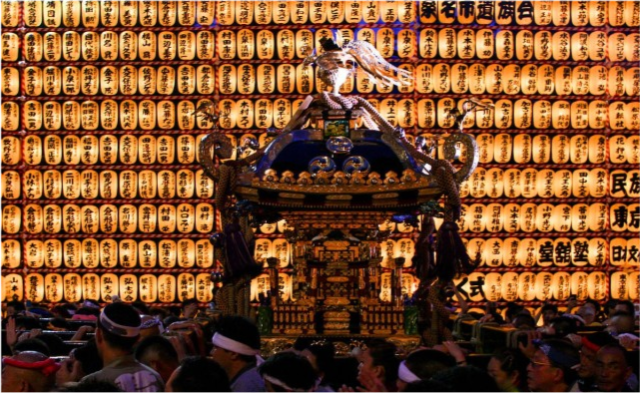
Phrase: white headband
(232,345)
(278,382)
(406,375)
(116,328)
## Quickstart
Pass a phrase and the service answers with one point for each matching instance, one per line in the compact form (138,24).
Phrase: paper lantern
(493,287)
(619,183)
(509,286)
(52,253)
(281,249)
(285,286)
(528,214)
(597,251)
(579,285)
(545,185)
(447,43)
(34,287)
(618,149)
(12,287)
(562,252)
(544,286)
(475,250)
(631,114)
(579,149)
(72,287)
(511,217)
(632,81)
(597,285)
(562,218)
(11,253)
(562,183)
(89,253)
(616,47)
(616,85)
(512,183)
(477,217)
(494,183)
(618,250)
(579,46)
(148,288)
(11,184)
(541,149)
(560,149)
(546,250)
(527,286)
(529,79)
(52,288)
(492,252)
(147,254)
(259,286)
(579,114)
(619,286)
(387,250)
(185,253)
(494,217)
(561,284)
(91,286)
(128,285)
(494,79)
(580,217)
(598,184)
(597,217)
(186,286)
(522,148)
(633,285)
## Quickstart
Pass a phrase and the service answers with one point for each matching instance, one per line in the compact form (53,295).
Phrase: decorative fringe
(452,259)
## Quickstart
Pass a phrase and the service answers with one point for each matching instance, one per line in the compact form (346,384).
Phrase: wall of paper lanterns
(102,193)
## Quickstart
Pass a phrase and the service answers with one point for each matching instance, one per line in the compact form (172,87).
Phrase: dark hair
(428,362)
(512,361)
(615,346)
(522,320)
(600,339)
(32,344)
(188,302)
(17,306)
(88,311)
(565,325)
(158,345)
(200,374)
(428,385)
(324,353)
(512,310)
(141,306)
(62,311)
(242,330)
(60,322)
(383,353)
(290,368)
(27,323)
(595,305)
(631,310)
(122,314)
(56,345)
(88,357)
(157,311)
(467,379)
(611,303)
(549,307)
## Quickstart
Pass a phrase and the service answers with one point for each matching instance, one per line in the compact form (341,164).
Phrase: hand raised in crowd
(12,333)
(454,350)
(529,349)
(82,330)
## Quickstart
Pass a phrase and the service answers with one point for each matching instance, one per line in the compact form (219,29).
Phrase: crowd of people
(130,347)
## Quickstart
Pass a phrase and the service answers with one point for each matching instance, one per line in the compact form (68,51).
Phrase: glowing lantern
(545,252)
(281,249)
(541,149)
(580,217)
(493,287)
(562,251)
(475,250)
(502,147)
(72,253)
(186,286)
(11,251)
(543,286)
(544,184)
(597,251)
(494,185)
(52,253)
(522,145)
(128,287)
(509,286)
(634,285)
(511,217)
(617,149)
(259,286)
(528,214)
(492,253)
(631,114)
(387,249)
(562,183)
(477,183)
(619,286)
(35,287)
(53,288)
(494,217)
(579,285)
(618,251)
(527,286)
(561,285)
(477,217)
(186,253)
(580,251)
(91,286)
(34,254)
(204,254)
(72,287)
(148,288)
(13,287)
(204,288)
(562,218)
(597,285)
(597,217)
(108,286)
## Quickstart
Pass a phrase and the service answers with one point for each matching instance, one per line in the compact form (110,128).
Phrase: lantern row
(546,217)
(528,286)
(446,43)
(72,287)
(440,78)
(107,149)
(107,184)
(108,218)
(90,253)
(91,14)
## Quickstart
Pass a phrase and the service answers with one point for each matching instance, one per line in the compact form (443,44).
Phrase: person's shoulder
(249,381)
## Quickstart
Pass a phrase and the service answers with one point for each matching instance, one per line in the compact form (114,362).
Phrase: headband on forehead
(46,367)
(588,344)
(232,345)
(405,374)
(116,328)
(277,382)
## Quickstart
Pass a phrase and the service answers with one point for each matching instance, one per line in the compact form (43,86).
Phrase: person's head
(288,371)
(610,307)
(591,344)
(593,303)
(59,323)
(512,310)
(549,312)
(32,344)
(621,322)
(379,359)
(625,306)
(27,323)
(552,367)
(561,326)
(235,344)
(141,307)
(588,313)
(189,308)
(158,353)
(150,326)
(118,328)
(422,365)
(612,368)
(524,322)
(428,385)
(198,374)
(15,308)
(28,371)
(60,311)
(56,345)
(508,368)
(321,357)
(82,361)
(466,379)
